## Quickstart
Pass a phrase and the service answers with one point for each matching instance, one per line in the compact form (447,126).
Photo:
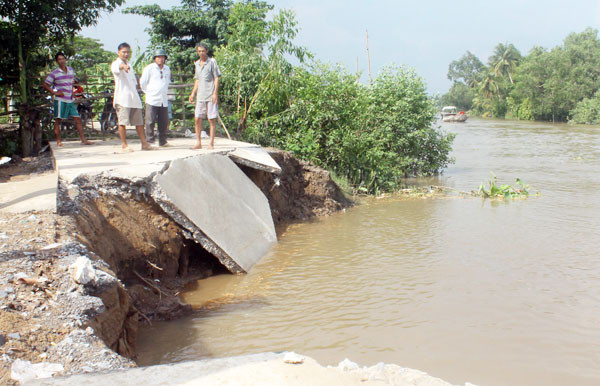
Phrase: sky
(425,35)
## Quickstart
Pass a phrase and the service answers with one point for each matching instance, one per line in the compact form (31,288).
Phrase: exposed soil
(47,317)
(19,169)
(300,192)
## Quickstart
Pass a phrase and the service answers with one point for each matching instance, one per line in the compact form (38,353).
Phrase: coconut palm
(489,86)
(505,59)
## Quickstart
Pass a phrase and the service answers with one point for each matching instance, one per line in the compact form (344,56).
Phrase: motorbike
(85,110)
(108,116)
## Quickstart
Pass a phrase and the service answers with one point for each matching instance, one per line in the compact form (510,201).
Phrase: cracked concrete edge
(193,232)
(253,165)
(91,186)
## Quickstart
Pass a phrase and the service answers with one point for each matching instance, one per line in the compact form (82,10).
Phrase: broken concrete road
(216,204)
(73,159)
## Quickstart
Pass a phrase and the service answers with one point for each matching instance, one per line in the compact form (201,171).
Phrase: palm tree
(488,85)
(505,59)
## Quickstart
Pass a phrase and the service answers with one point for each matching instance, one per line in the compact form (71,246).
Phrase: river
(463,288)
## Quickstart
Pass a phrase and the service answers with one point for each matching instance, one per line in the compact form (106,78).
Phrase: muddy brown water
(494,293)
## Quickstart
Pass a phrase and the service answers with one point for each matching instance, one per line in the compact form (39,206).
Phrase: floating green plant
(503,191)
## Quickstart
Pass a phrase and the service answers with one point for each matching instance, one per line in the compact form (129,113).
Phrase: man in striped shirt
(60,84)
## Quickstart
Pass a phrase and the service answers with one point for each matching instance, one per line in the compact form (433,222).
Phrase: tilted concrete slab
(220,206)
(255,157)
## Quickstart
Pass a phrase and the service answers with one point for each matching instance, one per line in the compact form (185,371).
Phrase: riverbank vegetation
(559,84)
(275,93)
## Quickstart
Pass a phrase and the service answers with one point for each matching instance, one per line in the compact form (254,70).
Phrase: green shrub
(371,136)
(587,111)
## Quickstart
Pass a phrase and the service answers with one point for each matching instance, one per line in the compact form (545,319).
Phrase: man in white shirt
(155,84)
(127,102)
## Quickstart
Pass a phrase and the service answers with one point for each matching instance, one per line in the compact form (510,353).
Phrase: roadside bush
(371,136)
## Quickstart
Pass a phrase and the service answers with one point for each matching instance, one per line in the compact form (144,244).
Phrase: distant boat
(450,114)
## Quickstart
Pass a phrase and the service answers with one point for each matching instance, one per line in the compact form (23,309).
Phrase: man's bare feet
(148,147)
(126,149)
(197,146)
(86,142)
(210,147)
(59,144)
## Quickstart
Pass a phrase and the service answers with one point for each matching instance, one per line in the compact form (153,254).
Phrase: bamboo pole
(222,124)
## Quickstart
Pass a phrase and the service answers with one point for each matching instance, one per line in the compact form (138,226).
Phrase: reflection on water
(465,289)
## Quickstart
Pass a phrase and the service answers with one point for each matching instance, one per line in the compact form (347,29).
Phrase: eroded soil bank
(140,259)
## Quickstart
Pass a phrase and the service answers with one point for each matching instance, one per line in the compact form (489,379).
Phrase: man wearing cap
(60,84)
(127,102)
(155,83)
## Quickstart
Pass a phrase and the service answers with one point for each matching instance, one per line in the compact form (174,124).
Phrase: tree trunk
(31,132)
(22,70)
(29,116)
(25,123)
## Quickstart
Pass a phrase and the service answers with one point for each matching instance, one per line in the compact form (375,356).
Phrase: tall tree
(488,86)
(255,60)
(465,73)
(179,29)
(85,53)
(553,82)
(459,95)
(529,99)
(32,24)
(581,52)
(468,69)
(504,60)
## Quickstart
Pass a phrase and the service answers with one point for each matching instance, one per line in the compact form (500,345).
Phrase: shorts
(129,116)
(64,110)
(206,109)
